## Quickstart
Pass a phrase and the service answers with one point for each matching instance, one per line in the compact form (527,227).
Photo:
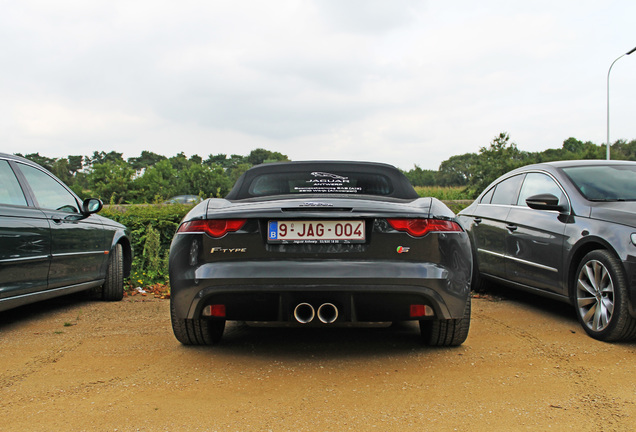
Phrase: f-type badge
(228,250)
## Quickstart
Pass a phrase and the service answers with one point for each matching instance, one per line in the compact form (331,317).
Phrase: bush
(443,193)
(151,230)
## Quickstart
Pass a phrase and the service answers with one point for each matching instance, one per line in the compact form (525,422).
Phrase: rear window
(318,182)
(323,179)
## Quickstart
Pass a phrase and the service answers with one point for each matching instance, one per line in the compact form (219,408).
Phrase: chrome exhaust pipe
(304,313)
(327,313)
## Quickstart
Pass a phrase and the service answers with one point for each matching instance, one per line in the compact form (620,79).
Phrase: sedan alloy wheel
(595,295)
(601,297)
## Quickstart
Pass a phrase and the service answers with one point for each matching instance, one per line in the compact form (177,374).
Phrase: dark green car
(51,242)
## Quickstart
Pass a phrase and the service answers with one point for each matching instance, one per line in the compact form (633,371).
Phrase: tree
(574,149)
(236,160)
(237,171)
(203,180)
(67,168)
(218,159)
(259,156)
(572,145)
(419,177)
(500,157)
(458,170)
(44,161)
(179,161)
(196,159)
(75,164)
(62,170)
(145,160)
(103,157)
(111,181)
(157,183)
(624,150)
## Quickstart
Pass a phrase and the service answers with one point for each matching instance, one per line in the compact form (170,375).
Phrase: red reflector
(421,311)
(213,227)
(421,227)
(217,310)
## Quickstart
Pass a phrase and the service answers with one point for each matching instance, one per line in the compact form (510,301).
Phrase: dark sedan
(51,242)
(566,230)
(320,243)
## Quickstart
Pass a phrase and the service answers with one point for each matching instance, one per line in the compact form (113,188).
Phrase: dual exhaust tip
(305,313)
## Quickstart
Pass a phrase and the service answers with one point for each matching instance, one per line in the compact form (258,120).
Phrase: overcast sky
(402,81)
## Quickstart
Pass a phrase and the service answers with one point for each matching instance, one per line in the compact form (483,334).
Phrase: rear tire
(113,288)
(196,331)
(450,332)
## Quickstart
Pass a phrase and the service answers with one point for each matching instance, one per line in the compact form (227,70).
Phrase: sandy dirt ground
(76,365)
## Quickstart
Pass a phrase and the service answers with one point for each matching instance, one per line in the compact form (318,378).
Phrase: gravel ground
(76,365)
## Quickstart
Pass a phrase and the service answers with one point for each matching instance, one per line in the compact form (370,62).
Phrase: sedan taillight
(212,227)
(421,227)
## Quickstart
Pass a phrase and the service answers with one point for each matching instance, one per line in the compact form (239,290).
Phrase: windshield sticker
(324,174)
(323,182)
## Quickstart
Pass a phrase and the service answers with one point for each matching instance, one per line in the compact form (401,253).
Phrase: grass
(456,198)
(443,193)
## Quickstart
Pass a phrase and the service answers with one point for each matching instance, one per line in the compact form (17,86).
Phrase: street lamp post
(608,112)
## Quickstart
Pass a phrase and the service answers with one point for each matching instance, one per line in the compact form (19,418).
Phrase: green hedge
(164,218)
(151,230)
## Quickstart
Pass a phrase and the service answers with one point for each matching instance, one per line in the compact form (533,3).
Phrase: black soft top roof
(323,178)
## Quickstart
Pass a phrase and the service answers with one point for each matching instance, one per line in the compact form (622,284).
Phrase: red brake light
(213,227)
(421,227)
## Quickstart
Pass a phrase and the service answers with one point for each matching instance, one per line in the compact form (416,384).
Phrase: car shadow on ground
(498,292)
(38,310)
(325,342)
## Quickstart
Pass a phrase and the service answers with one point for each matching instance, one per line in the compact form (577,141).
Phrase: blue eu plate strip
(273,230)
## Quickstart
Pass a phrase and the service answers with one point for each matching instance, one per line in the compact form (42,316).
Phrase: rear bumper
(361,290)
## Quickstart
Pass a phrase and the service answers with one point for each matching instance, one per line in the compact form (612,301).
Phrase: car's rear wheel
(113,288)
(601,297)
(196,331)
(449,332)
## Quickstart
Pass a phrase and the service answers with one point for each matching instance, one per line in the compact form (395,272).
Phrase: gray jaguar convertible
(320,243)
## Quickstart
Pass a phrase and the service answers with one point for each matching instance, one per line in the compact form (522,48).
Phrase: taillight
(212,227)
(421,227)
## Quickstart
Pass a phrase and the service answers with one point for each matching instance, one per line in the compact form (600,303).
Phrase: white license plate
(312,231)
